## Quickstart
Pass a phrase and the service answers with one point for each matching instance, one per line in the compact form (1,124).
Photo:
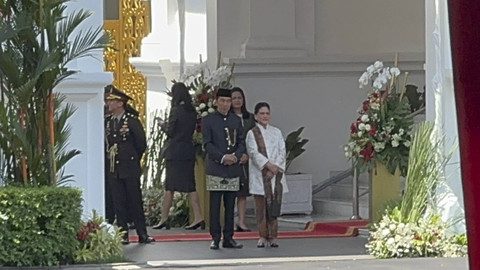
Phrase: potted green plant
(294,146)
(299,197)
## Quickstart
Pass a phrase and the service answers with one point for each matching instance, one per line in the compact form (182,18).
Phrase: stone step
(364,232)
(341,191)
(341,208)
(363,178)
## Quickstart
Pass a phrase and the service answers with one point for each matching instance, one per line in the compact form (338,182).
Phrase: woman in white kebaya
(266,149)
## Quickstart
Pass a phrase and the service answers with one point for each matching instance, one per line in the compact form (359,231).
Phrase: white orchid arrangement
(203,86)
(382,131)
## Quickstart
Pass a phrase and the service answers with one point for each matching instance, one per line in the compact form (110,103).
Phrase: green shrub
(38,226)
(99,242)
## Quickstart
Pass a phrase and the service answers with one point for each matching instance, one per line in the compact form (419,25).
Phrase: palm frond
(85,43)
(36,43)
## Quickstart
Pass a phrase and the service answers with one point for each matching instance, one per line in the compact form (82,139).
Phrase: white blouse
(275,146)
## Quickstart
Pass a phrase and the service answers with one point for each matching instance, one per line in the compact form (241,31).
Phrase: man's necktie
(115,123)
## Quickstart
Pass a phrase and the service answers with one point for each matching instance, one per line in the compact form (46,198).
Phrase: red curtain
(464,16)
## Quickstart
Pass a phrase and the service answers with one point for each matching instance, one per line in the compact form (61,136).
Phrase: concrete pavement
(300,253)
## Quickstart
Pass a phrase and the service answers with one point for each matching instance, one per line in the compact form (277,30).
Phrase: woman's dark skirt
(180,175)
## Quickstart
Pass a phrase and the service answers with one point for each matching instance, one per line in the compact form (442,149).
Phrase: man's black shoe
(214,244)
(131,225)
(145,239)
(230,243)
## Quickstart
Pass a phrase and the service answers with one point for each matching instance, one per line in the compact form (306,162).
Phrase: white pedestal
(298,199)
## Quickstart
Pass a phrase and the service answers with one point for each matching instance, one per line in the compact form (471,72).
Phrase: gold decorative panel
(126,35)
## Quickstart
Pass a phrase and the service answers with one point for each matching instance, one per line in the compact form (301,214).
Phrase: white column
(85,91)
(274,26)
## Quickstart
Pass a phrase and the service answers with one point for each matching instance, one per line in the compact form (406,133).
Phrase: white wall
(321,91)
(320,95)
(340,26)
(233,26)
(369,26)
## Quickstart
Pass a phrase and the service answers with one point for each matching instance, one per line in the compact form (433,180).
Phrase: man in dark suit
(222,139)
(125,145)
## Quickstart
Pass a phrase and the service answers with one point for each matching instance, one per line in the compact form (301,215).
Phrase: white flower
(370,69)
(359,134)
(392,227)
(375,106)
(381,80)
(218,76)
(378,146)
(363,81)
(406,143)
(348,154)
(395,143)
(364,118)
(361,126)
(377,83)
(204,114)
(211,110)
(378,65)
(210,104)
(108,227)
(401,131)
(368,127)
(390,241)
(395,71)
(202,106)
(396,137)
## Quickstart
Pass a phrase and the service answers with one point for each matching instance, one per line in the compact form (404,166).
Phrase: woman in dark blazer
(180,156)
(248,120)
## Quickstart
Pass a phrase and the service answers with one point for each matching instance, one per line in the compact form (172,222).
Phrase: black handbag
(274,210)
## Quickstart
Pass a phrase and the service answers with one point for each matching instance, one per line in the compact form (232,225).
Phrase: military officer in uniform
(125,145)
(222,139)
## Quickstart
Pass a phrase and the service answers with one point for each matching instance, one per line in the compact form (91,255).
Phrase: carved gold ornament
(126,35)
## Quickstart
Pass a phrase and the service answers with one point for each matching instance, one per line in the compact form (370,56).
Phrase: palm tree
(37,41)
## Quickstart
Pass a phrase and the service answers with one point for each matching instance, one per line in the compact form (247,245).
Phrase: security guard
(125,145)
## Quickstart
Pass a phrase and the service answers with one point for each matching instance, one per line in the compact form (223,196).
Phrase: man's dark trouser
(109,206)
(127,195)
(228,204)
